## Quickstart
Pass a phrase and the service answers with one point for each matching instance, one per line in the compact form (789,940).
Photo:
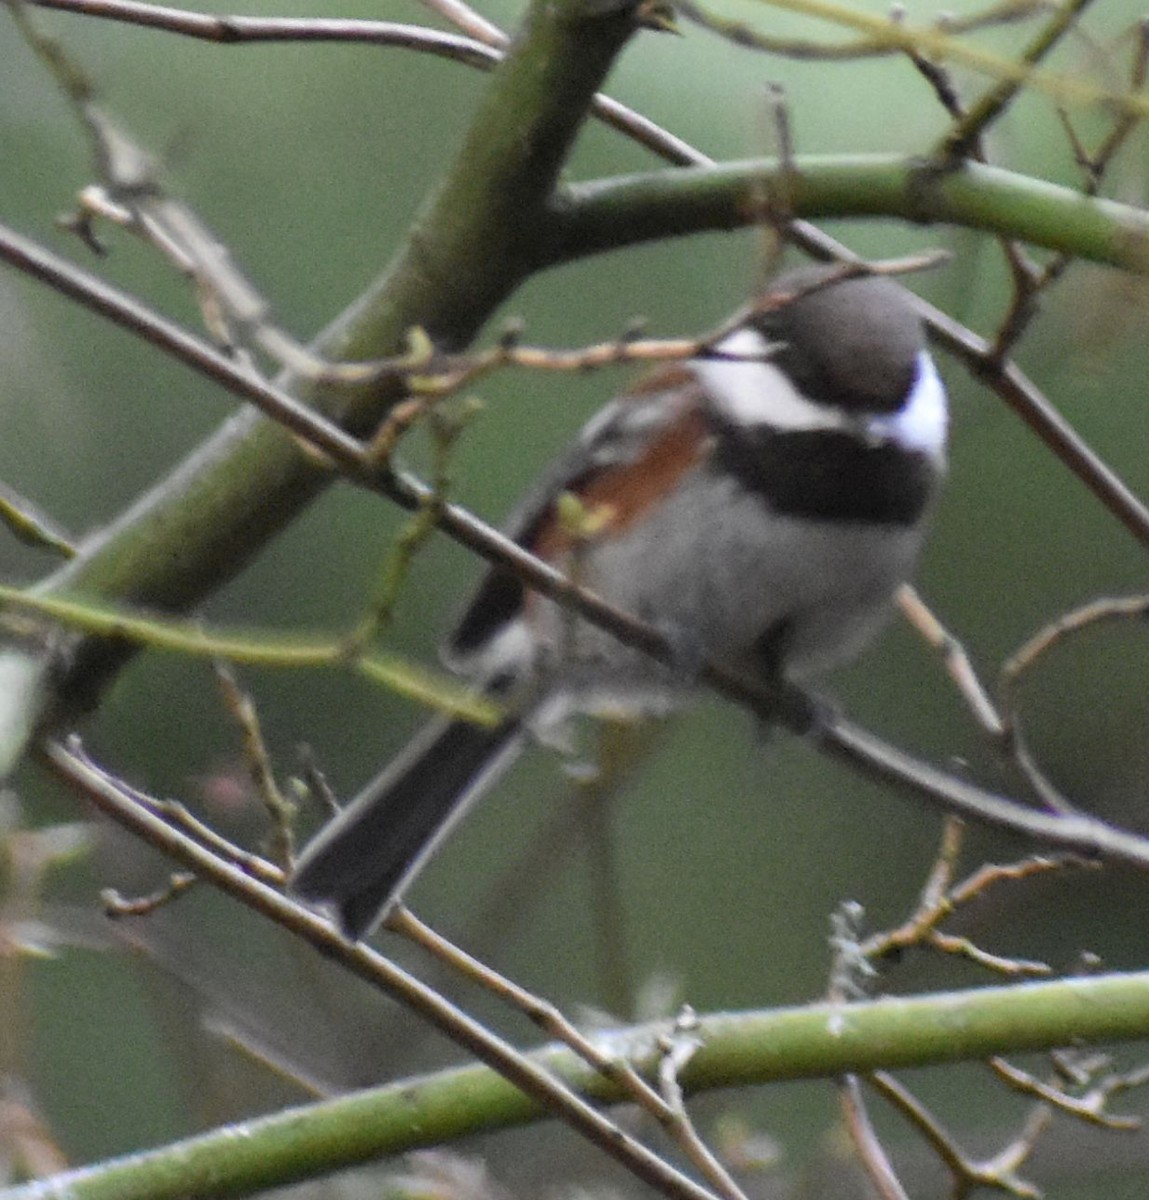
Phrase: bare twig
(941,81)
(94,294)
(954,655)
(181,818)
(280,811)
(31,526)
(999,964)
(668,1112)
(676,1049)
(131,194)
(739,33)
(235,30)
(313,784)
(966,140)
(1090,1106)
(991,874)
(1005,12)
(941,897)
(1023,273)
(541,1013)
(1025,659)
(427,373)
(1096,163)
(867,1144)
(117,905)
(999,1173)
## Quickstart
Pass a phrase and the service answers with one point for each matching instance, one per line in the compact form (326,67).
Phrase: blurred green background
(732,852)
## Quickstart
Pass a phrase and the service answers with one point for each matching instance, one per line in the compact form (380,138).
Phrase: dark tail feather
(362,859)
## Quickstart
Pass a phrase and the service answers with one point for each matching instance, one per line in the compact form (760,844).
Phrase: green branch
(293,651)
(739,1049)
(612,213)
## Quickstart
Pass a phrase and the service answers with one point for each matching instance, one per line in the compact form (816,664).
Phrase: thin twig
(1006,734)
(676,1049)
(541,1013)
(1089,1107)
(998,1173)
(280,811)
(237,30)
(181,818)
(867,1144)
(1006,12)
(1026,658)
(313,784)
(954,655)
(117,906)
(1029,280)
(941,81)
(941,897)
(31,526)
(668,1112)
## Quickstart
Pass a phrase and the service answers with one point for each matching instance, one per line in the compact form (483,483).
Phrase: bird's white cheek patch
(920,424)
(753,391)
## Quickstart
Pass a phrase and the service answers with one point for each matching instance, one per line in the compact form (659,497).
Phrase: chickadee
(761,503)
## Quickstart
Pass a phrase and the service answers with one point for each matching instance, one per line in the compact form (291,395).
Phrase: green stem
(612,213)
(738,1050)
